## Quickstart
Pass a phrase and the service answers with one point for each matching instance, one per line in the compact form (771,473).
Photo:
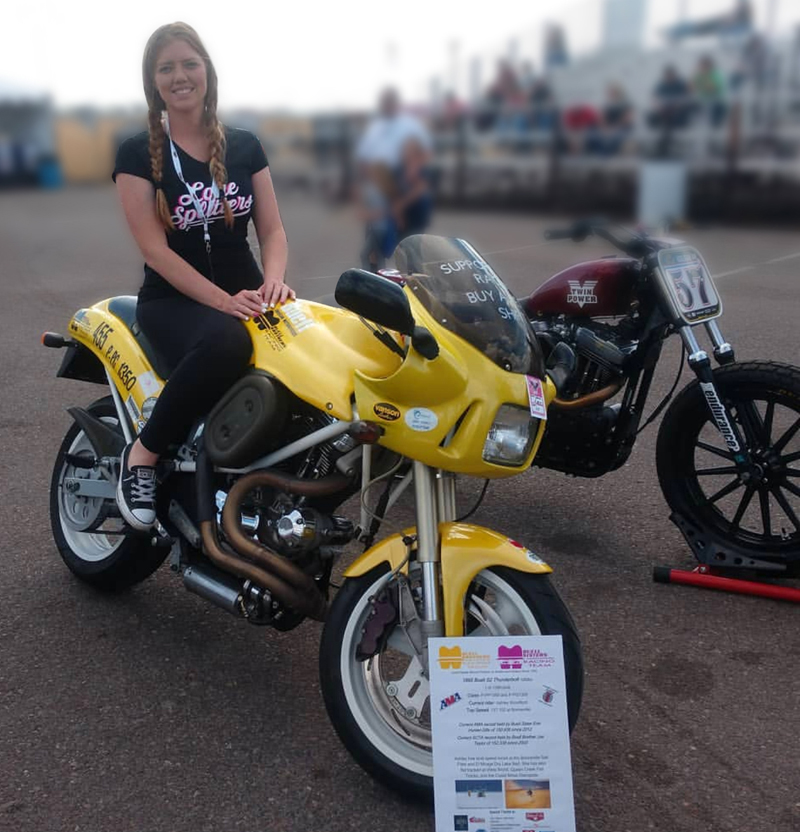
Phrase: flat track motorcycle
(407,385)
(728,451)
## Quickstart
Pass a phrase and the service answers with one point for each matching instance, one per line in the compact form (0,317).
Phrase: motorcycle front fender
(465,550)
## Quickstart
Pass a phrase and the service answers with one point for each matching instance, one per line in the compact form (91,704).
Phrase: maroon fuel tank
(596,288)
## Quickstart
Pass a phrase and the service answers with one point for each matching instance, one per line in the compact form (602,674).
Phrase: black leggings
(209,351)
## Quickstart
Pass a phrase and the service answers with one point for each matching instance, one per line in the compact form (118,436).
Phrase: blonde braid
(157,166)
(216,138)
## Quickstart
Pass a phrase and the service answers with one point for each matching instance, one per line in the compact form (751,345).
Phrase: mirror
(376,299)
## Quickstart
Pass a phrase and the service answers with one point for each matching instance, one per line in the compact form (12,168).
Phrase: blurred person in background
(579,122)
(413,206)
(6,160)
(189,187)
(672,107)
(555,47)
(543,108)
(502,101)
(387,133)
(613,134)
(385,142)
(708,88)
(671,101)
(378,192)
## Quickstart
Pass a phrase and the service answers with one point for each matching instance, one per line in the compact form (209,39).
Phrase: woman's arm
(271,239)
(138,203)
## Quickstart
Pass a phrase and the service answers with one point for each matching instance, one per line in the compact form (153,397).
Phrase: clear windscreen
(462,291)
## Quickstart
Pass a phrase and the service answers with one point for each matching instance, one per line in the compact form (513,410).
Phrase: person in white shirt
(388,132)
(388,142)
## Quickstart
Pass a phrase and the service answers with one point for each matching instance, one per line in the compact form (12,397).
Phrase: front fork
(435,498)
(701,365)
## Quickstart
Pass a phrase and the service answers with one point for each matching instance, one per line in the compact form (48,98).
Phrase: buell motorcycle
(407,386)
(728,450)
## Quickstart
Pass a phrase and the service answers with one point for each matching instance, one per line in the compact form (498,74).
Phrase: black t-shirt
(232,265)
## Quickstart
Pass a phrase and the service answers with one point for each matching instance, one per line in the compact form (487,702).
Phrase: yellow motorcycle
(416,380)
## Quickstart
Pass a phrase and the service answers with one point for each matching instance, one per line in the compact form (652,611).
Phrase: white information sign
(501,757)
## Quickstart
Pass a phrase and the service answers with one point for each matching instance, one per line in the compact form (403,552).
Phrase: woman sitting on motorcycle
(189,187)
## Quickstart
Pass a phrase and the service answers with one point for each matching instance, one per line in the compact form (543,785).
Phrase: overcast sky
(300,55)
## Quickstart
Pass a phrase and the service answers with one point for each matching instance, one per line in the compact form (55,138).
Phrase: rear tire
(373,723)
(108,561)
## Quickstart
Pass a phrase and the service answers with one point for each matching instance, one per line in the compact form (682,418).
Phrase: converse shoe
(136,493)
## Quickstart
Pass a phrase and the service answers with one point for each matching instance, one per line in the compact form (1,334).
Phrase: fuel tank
(596,288)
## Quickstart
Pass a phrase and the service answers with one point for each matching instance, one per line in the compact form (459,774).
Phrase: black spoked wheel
(756,511)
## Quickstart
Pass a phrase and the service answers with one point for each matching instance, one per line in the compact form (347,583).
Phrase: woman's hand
(275,291)
(245,304)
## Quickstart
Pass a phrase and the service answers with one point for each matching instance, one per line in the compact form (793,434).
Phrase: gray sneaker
(136,494)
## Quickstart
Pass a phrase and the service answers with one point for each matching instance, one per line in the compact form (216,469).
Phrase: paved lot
(155,711)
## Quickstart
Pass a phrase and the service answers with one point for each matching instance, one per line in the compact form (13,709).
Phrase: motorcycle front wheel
(758,513)
(380,708)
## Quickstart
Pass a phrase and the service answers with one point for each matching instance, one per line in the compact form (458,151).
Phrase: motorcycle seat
(124,308)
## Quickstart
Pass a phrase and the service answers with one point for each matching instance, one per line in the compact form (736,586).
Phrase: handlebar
(635,245)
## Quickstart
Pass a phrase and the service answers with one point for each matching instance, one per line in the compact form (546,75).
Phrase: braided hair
(155,117)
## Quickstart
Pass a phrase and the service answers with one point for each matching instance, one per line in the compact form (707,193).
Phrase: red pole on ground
(704,579)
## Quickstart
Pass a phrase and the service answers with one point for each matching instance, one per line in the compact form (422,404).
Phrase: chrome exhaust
(216,586)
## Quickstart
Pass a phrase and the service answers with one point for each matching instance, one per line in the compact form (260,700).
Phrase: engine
(581,421)
(602,351)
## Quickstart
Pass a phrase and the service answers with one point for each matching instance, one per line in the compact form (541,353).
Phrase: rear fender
(108,346)
(465,551)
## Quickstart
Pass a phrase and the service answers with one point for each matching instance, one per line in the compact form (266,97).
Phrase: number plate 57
(687,285)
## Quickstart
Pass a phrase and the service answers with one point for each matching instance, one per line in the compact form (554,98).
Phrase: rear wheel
(91,538)
(759,513)
(380,707)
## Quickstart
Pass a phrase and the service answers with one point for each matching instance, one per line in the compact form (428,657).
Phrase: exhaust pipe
(216,586)
(286,582)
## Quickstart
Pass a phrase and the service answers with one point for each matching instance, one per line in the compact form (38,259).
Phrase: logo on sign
(450,657)
(547,696)
(581,293)
(515,658)
(450,700)
(510,657)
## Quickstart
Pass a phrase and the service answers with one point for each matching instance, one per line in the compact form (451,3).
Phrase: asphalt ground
(153,710)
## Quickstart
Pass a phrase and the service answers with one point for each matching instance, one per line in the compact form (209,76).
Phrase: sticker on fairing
(148,383)
(296,318)
(421,419)
(147,407)
(536,397)
(386,411)
(133,410)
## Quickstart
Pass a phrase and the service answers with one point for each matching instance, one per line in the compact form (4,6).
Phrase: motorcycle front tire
(110,562)
(388,741)
(695,466)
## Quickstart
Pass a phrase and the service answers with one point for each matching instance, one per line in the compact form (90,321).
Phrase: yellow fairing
(315,350)
(425,399)
(113,343)
(465,551)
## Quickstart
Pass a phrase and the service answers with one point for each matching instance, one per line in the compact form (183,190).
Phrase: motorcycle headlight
(511,436)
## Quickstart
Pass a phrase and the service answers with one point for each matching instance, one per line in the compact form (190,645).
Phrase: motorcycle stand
(706,577)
